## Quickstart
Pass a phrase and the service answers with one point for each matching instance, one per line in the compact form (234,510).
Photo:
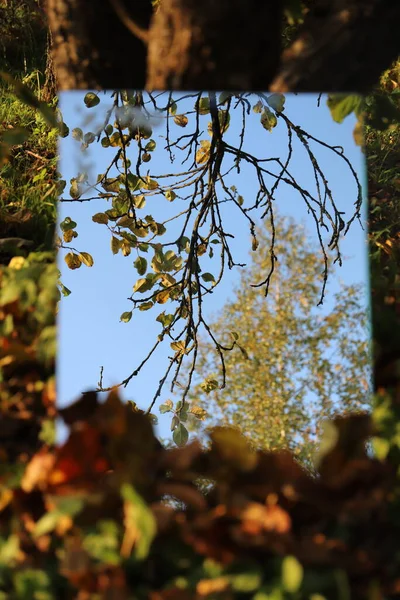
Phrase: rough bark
(93,48)
(224,44)
(343,45)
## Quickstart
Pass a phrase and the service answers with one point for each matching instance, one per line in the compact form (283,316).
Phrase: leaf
(86,258)
(342,105)
(208,277)
(292,574)
(89,138)
(140,524)
(174,422)
(170,195)
(173,108)
(115,244)
(181,120)
(126,317)
(134,182)
(277,102)
(203,152)
(163,297)
(198,412)
(180,435)
(166,407)
(146,305)
(150,146)
(224,97)
(67,224)
(139,201)
(100,218)
(268,119)
(178,346)
(209,385)
(139,284)
(91,99)
(77,134)
(140,265)
(203,106)
(259,107)
(165,319)
(73,260)
(150,184)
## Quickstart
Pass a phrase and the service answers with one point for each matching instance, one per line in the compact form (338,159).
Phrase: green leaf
(140,524)
(208,277)
(268,119)
(146,305)
(139,201)
(165,319)
(180,435)
(67,224)
(292,574)
(91,99)
(381,447)
(204,105)
(126,317)
(342,105)
(277,102)
(140,265)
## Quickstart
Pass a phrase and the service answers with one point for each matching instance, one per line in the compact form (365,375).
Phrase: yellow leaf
(86,258)
(116,244)
(73,260)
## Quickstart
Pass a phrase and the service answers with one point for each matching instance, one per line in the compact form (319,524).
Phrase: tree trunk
(93,48)
(343,45)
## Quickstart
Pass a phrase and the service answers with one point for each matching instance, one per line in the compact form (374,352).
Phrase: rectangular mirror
(215,243)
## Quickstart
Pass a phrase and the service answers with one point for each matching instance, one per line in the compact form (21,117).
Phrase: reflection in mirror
(213,258)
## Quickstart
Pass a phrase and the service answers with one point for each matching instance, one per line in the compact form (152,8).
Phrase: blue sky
(90,333)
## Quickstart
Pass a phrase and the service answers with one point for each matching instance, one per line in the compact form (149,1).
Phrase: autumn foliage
(111,513)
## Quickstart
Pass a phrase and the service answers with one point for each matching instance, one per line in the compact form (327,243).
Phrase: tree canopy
(293,367)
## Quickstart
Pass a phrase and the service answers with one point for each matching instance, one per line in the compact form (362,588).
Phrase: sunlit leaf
(100,218)
(73,260)
(126,317)
(86,258)
(292,574)
(181,120)
(116,244)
